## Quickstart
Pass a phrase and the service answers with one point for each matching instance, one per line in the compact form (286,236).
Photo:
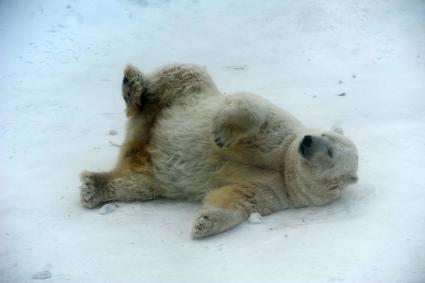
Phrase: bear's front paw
(204,226)
(213,220)
(90,193)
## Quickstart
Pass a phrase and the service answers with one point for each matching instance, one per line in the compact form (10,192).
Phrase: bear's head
(325,164)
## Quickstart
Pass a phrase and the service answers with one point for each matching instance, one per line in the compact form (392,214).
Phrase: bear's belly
(183,155)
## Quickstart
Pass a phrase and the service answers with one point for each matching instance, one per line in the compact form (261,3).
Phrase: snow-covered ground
(60,72)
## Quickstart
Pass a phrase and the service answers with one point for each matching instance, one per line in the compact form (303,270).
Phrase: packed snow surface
(355,64)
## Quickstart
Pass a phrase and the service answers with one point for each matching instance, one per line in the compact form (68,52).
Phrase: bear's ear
(130,71)
(338,130)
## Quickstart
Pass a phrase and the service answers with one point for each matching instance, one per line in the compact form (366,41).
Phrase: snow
(108,208)
(61,69)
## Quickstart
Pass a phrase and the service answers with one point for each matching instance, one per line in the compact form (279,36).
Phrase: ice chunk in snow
(107,208)
(42,275)
(255,218)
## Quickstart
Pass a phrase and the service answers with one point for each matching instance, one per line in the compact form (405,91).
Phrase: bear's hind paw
(90,194)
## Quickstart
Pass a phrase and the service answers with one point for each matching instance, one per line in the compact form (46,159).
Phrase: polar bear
(237,154)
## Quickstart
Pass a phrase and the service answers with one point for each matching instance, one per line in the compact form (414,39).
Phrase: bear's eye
(330,153)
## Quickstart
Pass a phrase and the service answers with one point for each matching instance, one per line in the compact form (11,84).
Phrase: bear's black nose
(305,146)
(307,141)
(125,80)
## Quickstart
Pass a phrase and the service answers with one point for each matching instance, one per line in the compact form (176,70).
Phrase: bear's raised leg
(149,93)
(99,187)
(240,117)
(223,209)
(146,95)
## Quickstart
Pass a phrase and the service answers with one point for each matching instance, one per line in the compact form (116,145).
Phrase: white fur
(203,140)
